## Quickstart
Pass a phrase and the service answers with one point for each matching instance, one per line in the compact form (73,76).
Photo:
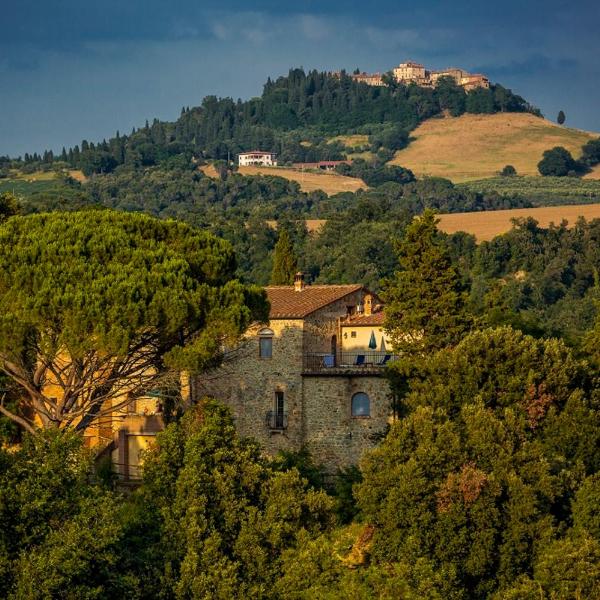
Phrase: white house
(257,158)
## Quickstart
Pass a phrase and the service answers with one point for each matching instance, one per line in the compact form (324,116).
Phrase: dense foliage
(96,307)
(485,489)
(424,299)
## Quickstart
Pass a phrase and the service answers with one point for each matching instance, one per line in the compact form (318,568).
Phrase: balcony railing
(356,361)
(277,420)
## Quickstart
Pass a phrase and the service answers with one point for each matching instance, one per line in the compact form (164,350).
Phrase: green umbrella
(372,341)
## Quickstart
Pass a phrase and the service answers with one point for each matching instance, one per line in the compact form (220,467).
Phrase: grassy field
(544,191)
(473,147)
(23,187)
(485,225)
(352,141)
(330,183)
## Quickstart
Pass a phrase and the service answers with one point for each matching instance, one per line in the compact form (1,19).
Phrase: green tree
(62,533)
(425,302)
(107,306)
(285,263)
(9,205)
(227,514)
(590,152)
(561,118)
(557,162)
(508,171)
(469,480)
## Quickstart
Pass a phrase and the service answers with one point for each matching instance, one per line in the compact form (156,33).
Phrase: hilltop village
(413,72)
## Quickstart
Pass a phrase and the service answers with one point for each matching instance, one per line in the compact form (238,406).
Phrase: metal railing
(276,420)
(354,360)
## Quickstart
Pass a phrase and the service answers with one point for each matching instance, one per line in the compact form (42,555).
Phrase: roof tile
(286,302)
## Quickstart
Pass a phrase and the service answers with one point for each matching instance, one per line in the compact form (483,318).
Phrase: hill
(330,183)
(478,146)
(485,225)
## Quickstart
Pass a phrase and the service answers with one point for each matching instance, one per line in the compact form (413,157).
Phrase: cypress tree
(285,262)
(425,303)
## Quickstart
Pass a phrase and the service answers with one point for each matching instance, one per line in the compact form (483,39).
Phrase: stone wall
(323,324)
(318,407)
(333,436)
(247,383)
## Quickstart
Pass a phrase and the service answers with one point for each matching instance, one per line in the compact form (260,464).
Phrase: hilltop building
(416,73)
(313,376)
(257,158)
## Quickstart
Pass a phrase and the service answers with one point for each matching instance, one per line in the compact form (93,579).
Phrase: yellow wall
(362,338)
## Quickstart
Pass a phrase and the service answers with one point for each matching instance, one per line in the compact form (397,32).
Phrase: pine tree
(285,262)
(425,303)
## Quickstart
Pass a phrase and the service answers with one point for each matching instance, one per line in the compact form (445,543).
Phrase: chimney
(368,304)
(299,281)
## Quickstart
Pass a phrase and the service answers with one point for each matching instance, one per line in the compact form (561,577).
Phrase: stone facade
(317,391)
(411,72)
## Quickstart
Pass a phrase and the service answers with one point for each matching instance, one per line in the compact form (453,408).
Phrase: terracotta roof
(262,152)
(374,319)
(286,302)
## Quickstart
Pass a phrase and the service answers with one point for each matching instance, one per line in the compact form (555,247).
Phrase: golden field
(330,183)
(485,225)
(478,146)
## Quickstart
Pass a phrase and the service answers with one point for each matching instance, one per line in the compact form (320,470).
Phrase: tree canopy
(425,302)
(98,306)
(557,162)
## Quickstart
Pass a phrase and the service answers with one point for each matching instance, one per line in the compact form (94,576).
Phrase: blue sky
(78,69)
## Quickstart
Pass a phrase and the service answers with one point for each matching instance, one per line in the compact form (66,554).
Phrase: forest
(485,486)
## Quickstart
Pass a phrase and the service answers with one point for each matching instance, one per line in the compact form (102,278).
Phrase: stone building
(313,376)
(416,73)
(410,72)
(375,79)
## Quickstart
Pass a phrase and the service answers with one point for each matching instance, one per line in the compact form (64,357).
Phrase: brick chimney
(299,281)
(368,304)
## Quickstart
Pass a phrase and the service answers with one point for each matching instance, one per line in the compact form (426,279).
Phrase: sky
(80,69)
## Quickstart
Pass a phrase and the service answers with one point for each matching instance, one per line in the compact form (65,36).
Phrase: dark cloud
(74,70)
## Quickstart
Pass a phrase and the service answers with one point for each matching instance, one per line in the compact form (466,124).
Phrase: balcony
(276,420)
(356,362)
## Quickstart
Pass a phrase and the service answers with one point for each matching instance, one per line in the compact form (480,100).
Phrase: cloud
(314,28)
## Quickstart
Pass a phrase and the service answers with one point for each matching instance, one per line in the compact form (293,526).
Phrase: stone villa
(313,376)
(412,72)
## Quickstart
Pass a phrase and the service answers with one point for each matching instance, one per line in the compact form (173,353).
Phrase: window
(361,405)
(265,343)
(265,348)
(353,334)
(279,410)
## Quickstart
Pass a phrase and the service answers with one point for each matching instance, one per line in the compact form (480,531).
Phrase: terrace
(356,362)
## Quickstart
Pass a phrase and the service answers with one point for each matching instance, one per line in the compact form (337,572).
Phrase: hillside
(478,146)
(330,183)
(485,225)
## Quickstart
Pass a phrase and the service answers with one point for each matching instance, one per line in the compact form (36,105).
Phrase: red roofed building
(313,375)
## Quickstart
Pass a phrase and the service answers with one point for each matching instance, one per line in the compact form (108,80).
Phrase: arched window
(361,405)
(265,343)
